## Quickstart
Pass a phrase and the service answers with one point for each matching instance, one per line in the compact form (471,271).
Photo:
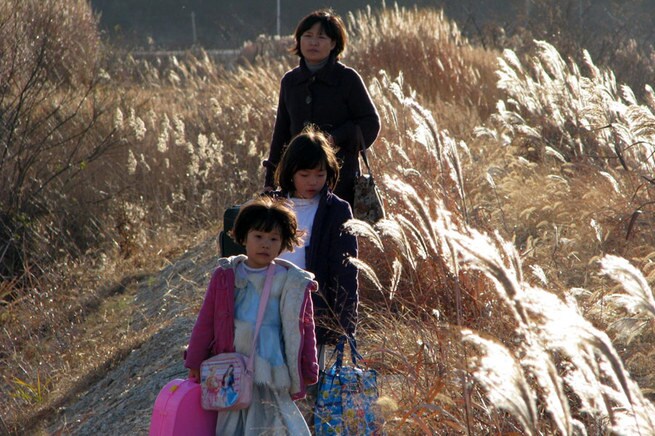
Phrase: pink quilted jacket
(213,332)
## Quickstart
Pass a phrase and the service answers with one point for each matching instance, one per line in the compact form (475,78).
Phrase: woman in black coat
(324,92)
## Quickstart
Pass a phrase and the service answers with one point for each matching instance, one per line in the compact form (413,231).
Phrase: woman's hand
(194,374)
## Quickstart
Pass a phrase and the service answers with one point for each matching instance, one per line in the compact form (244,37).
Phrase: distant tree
(50,107)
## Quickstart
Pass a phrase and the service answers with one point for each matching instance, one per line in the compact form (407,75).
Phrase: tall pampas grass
(538,364)
(555,332)
(637,301)
(552,359)
(552,105)
(502,377)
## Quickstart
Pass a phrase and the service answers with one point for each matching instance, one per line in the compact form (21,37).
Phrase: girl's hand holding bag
(347,398)
(227,378)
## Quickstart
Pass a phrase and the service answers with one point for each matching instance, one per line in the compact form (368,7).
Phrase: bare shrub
(58,40)
(55,131)
(51,106)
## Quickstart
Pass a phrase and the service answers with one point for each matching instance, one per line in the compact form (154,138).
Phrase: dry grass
(69,335)
(485,303)
(565,195)
(429,51)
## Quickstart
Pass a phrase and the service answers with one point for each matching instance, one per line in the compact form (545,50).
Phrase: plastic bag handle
(339,350)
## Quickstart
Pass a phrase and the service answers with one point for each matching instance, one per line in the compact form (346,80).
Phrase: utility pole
(193,27)
(527,10)
(278,18)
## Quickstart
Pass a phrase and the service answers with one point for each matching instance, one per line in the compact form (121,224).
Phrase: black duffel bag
(229,246)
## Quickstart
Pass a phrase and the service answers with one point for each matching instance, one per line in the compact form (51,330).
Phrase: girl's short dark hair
(307,150)
(332,26)
(265,214)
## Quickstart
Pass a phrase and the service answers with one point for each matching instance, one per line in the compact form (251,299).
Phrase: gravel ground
(121,402)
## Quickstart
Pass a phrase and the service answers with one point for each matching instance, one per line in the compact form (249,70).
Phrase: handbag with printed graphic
(347,398)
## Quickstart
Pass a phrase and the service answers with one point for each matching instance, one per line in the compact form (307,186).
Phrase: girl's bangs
(310,159)
(266,223)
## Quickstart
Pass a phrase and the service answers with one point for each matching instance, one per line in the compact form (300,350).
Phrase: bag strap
(339,350)
(263,300)
(362,146)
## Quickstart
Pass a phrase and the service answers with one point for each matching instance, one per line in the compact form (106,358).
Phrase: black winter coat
(330,246)
(334,99)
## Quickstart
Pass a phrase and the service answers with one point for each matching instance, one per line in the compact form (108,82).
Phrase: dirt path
(121,401)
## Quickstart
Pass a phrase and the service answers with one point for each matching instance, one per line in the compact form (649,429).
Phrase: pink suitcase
(177,411)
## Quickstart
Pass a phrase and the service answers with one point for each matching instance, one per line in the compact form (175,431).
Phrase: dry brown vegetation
(507,292)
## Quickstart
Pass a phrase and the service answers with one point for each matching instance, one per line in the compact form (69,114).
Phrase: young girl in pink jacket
(285,361)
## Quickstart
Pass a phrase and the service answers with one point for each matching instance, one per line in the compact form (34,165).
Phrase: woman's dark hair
(265,214)
(332,26)
(307,150)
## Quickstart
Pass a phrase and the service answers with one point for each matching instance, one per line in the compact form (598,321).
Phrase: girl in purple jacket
(285,359)
(324,92)
(307,174)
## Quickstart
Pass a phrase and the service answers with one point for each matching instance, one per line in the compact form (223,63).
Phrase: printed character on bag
(212,383)
(228,395)
(220,381)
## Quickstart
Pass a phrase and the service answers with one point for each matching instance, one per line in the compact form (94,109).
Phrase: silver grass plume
(499,373)
(365,268)
(361,228)
(479,252)
(638,299)
(550,326)
(417,208)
